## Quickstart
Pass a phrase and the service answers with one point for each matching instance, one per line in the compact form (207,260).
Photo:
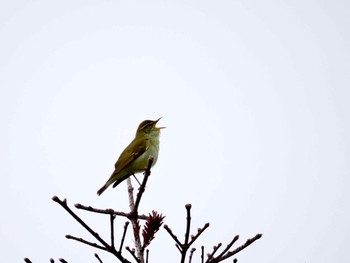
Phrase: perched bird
(134,159)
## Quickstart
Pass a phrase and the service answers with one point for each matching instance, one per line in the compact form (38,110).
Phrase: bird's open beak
(160,127)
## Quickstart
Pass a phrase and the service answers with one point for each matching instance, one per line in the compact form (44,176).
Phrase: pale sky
(255,97)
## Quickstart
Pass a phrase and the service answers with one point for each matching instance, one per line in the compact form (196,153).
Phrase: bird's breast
(140,164)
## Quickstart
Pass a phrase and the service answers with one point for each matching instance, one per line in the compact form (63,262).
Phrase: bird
(134,158)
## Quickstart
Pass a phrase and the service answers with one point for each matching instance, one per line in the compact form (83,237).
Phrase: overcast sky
(255,96)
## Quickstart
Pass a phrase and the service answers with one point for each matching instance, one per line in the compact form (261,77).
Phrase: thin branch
(81,240)
(185,246)
(225,255)
(132,252)
(107,211)
(98,258)
(200,231)
(131,199)
(167,228)
(240,248)
(191,254)
(135,223)
(144,182)
(188,225)
(123,237)
(202,254)
(229,245)
(27,260)
(62,260)
(178,247)
(147,253)
(211,255)
(112,217)
(93,233)
(80,221)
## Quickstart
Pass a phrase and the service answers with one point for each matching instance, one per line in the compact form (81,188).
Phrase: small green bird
(134,159)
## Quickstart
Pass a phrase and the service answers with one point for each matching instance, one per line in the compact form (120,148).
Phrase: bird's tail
(103,188)
(114,181)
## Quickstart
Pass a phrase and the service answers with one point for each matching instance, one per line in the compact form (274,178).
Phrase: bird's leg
(136,179)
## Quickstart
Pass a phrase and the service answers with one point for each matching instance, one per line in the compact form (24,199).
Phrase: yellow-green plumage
(134,159)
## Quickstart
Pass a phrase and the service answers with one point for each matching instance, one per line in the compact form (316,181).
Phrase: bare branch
(135,222)
(168,229)
(188,220)
(147,253)
(134,205)
(107,211)
(215,248)
(202,254)
(132,252)
(93,233)
(240,248)
(98,258)
(229,245)
(191,254)
(200,231)
(225,254)
(79,239)
(123,237)
(144,182)
(183,248)
(112,217)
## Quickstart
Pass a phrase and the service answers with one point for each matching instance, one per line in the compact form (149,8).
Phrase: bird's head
(148,127)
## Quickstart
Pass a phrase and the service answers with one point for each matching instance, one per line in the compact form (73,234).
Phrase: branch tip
(55,198)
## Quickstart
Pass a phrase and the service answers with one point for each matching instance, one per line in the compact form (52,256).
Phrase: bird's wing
(134,150)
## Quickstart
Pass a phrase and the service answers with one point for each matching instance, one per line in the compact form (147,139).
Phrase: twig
(200,231)
(183,247)
(27,260)
(79,239)
(168,229)
(202,254)
(240,248)
(98,258)
(191,254)
(229,245)
(112,217)
(188,225)
(225,255)
(135,223)
(62,260)
(107,211)
(51,260)
(132,252)
(93,233)
(144,182)
(123,237)
(131,198)
(147,252)
(210,256)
